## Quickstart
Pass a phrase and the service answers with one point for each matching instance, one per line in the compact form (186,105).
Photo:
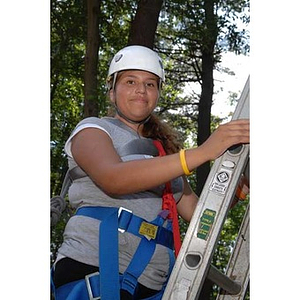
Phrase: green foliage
(67,53)
(227,239)
(229,234)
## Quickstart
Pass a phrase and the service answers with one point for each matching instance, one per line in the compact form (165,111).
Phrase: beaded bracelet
(183,163)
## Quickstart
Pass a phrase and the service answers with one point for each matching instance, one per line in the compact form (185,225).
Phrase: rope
(58,205)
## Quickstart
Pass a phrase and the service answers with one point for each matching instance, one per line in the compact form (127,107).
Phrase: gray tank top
(81,236)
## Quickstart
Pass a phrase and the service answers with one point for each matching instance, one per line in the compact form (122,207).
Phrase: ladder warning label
(206,222)
(220,182)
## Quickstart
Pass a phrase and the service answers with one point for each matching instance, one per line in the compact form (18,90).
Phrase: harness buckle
(119,214)
(89,287)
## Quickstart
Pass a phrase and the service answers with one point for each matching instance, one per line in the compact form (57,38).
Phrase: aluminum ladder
(193,263)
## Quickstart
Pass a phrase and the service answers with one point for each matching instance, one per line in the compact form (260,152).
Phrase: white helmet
(137,58)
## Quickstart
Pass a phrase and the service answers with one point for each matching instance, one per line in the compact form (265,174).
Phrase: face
(136,94)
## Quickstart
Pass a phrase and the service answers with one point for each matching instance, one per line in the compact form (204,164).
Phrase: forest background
(25,69)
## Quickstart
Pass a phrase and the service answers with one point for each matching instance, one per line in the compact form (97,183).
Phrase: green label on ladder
(206,221)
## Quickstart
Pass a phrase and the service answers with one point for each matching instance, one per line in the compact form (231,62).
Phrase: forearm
(134,176)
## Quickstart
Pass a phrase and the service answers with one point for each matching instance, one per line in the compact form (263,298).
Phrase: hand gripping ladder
(193,263)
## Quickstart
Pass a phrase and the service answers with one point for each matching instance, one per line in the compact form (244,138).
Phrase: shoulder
(90,122)
(94,122)
(106,124)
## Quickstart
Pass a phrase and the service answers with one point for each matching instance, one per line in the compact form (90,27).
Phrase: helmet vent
(118,57)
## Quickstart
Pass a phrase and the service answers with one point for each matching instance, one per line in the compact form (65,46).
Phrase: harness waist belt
(131,223)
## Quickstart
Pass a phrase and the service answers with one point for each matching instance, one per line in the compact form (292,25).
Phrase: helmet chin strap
(141,122)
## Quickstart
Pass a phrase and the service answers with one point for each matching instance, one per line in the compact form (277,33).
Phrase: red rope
(169,203)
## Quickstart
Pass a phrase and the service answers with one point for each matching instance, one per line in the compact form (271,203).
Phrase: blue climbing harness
(106,283)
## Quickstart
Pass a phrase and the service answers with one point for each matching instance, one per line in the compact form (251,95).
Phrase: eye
(150,84)
(130,82)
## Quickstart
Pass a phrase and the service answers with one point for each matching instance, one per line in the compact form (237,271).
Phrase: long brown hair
(157,129)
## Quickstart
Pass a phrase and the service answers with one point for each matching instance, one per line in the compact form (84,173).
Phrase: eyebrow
(134,76)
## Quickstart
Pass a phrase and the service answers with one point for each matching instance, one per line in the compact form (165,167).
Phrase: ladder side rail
(194,259)
(239,263)
(221,207)
(196,253)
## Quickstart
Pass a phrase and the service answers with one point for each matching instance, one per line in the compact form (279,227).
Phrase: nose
(140,88)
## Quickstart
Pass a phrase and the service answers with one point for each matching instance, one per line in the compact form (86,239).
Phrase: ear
(112,95)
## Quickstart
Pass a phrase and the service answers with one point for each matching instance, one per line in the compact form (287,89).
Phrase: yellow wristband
(183,163)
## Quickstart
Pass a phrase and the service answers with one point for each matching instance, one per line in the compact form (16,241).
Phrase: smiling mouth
(143,100)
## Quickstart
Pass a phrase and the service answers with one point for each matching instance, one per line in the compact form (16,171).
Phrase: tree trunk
(143,27)
(91,105)
(204,115)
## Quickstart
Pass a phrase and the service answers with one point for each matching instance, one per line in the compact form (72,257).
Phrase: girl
(127,175)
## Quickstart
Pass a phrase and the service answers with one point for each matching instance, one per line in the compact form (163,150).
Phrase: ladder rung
(223,281)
